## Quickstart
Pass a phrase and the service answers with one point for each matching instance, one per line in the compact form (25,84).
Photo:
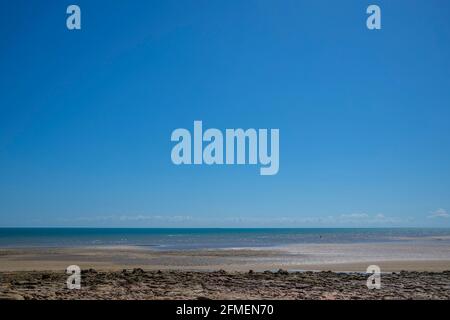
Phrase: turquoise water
(207,238)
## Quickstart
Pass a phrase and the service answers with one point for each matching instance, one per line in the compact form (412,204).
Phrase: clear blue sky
(86,116)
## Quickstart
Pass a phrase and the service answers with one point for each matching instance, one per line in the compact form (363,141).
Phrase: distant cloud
(370,219)
(355,216)
(155,218)
(357,219)
(131,218)
(351,219)
(439,213)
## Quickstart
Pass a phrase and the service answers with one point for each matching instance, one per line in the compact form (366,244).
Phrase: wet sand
(292,258)
(311,257)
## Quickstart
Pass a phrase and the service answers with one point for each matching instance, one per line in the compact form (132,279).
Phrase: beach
(225,264)
(136,273)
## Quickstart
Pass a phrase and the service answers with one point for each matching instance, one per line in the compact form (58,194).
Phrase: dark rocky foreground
(139,284)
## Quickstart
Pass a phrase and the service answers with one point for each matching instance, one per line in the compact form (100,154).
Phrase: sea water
(209,238)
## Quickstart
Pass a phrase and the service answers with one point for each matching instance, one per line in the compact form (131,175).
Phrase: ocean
(209,238)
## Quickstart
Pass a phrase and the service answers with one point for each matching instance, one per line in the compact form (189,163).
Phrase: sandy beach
(270,273)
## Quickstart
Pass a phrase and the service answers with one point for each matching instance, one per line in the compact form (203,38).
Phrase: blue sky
(86,116)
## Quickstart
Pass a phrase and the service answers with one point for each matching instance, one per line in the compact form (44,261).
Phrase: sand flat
(312,257)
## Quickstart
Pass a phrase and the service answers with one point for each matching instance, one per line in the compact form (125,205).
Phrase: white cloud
(370,219)
(343,220)
(358,219)
(130,218)
(354,216)
(439,213)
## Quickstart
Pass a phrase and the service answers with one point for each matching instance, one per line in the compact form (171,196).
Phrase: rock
(282,272)
(138,271)
(87,271)
(25,282)
(206,285)
(11,296)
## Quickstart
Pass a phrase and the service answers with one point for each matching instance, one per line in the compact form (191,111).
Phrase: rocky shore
(139,284)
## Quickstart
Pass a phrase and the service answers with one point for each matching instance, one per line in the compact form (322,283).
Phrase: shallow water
(179,239)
